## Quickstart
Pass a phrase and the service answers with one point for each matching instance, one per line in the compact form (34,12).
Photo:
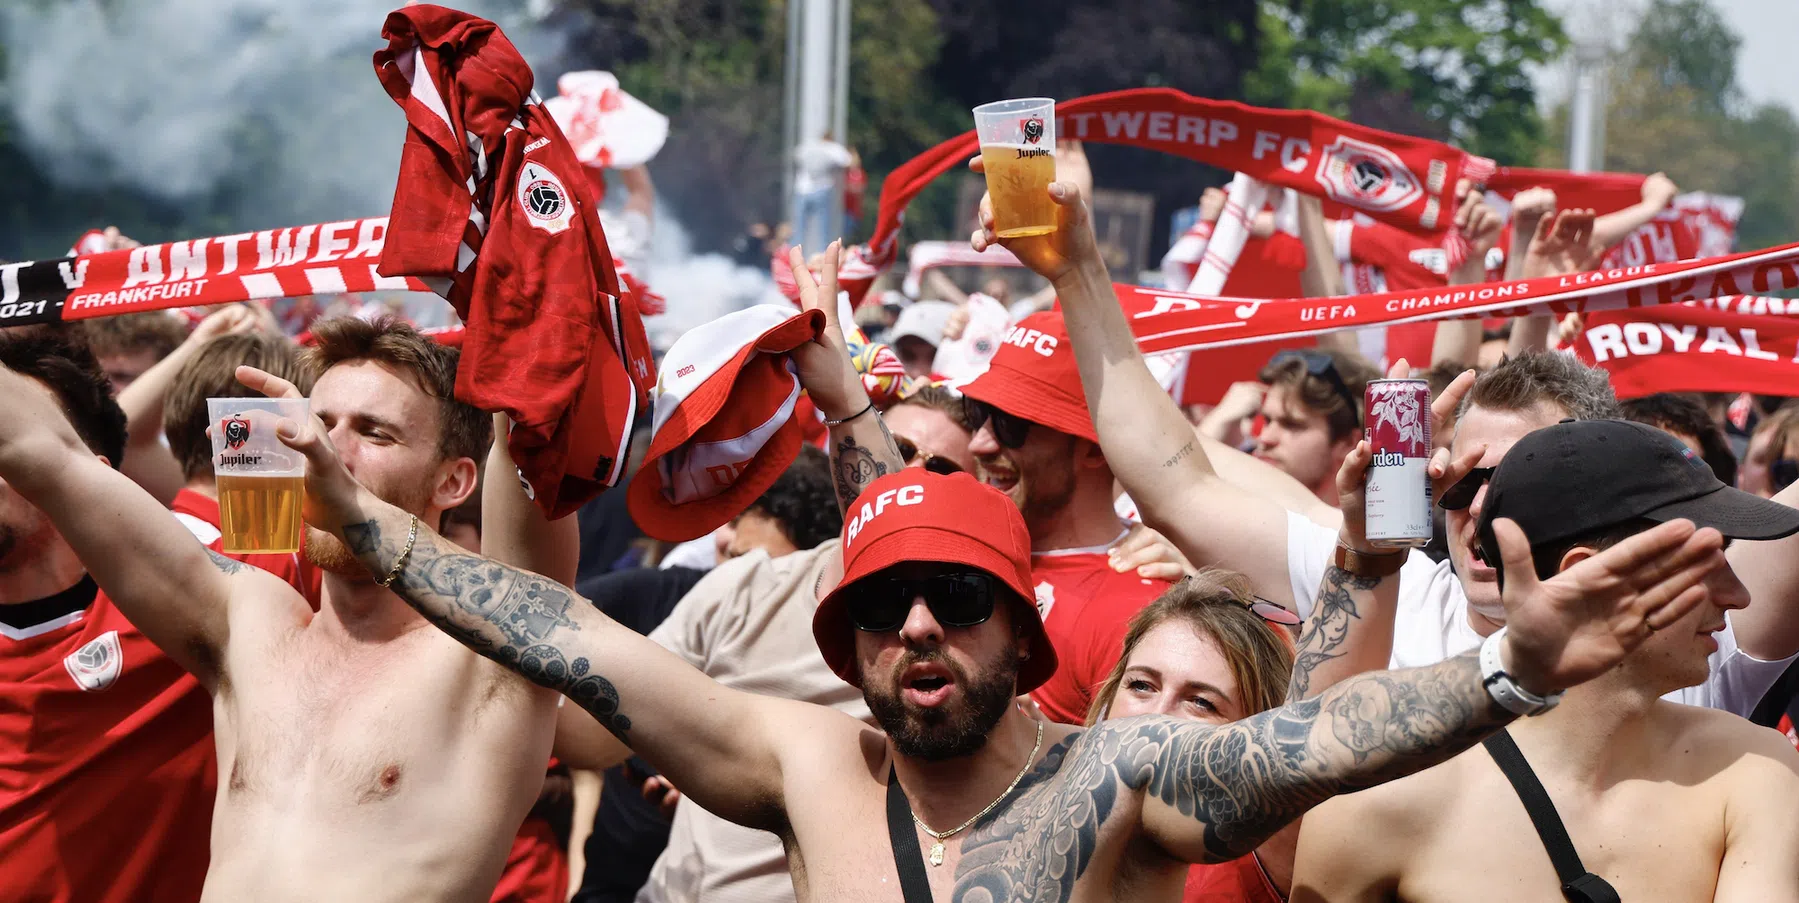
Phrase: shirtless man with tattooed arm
(1105,813)
(362,755)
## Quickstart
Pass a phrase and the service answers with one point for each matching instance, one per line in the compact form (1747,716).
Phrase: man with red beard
(361,755)
(1036,444)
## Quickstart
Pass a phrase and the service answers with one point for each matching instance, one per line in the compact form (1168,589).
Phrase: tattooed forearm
(855,464)
(1246,780)
(1182,455)
(228,565)
(1328,629)
(514,617)
(1237,783)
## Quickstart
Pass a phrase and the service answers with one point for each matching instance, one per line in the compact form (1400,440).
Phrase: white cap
(924,319)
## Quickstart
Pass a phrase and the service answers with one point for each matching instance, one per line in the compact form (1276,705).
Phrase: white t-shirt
(816,165)
(748,625)
(1431,623)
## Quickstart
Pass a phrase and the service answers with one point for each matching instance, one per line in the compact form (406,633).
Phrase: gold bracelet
(412,536)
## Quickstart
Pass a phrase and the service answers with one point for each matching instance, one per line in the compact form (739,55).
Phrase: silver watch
(1503,688)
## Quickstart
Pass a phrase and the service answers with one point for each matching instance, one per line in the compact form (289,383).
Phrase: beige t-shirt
(748,625)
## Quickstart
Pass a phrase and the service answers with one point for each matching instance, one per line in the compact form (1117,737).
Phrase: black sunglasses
(1322,366)
(909,452)
(881,604)
(1461,495)
(1009,429)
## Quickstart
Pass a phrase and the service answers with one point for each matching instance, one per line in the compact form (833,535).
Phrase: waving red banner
(329,258)
(1399,179)
(1738,343)
(1173,321)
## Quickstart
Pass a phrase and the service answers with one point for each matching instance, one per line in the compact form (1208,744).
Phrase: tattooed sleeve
(514,617)
(1327,632)
(1233,785)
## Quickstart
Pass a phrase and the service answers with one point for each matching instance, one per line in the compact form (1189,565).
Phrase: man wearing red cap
(933,621)
(1036,444)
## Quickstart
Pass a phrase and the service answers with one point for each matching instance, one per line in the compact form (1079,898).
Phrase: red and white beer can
(1398,483)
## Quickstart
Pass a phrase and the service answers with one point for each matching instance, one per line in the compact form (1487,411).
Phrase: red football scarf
(322,259)
(330,258)
(1174,321)
(1739,343)
(1406,181)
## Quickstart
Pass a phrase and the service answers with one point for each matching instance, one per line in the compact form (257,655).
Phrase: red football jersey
(1240,880)
(1085,607)
(200,515)
(107,771)
(536,868)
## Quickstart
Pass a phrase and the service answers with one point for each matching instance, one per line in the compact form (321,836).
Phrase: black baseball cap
(1579,477)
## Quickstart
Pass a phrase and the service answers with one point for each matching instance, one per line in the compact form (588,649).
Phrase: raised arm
(1769,628)
(1212,793)
(1150,446)
(678,718)
(1458,340)
(169,585)
(1658,192)
(513,528)
(861,448)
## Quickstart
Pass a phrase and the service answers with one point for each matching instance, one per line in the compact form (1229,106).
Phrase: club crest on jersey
(95,666)
(546,202)
(237,432)
(1367,176)
(1046,598)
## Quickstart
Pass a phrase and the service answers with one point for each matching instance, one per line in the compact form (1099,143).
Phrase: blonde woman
(1209,650)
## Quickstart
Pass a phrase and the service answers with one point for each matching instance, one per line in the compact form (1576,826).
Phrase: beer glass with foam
(1018,150)
(261,482)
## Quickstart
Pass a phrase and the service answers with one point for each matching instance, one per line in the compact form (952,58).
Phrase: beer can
(1398,483)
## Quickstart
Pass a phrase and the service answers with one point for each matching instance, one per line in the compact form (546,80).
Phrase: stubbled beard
(329,554)
(1045,499)
(957,730)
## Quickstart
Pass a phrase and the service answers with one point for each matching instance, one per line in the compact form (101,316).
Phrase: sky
(1768,29)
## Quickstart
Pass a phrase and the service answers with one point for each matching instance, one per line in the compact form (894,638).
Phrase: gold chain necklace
(937,848)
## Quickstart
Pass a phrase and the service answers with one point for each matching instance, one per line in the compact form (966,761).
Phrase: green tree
(1455,70)
(1674,106)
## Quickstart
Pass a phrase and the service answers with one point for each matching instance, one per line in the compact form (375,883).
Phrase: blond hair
(1215,603)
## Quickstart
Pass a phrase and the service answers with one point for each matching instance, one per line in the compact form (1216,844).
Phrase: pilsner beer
(1018,178)
(260,514)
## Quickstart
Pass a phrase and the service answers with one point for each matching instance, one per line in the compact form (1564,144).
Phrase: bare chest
(1651,840)
(356,723)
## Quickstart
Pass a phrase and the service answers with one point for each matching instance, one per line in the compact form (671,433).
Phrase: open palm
(1580,623)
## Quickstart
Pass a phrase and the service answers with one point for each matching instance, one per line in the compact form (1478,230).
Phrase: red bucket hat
(1033,375)
(916,515)
(724,428)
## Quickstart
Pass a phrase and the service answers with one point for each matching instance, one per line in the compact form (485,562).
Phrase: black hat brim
(1734,513)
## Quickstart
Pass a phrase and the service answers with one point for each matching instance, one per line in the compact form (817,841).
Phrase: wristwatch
(1369,565)
(1503,688)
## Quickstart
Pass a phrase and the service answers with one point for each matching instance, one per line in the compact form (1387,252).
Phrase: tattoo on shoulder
(1328,629)
(1182,455)
(227,565)
(1239,782)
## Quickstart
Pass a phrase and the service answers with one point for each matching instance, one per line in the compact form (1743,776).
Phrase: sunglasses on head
(909,452)
(1008,429)
(1461,495)
(881,604)
(1272,613)
(1324,367)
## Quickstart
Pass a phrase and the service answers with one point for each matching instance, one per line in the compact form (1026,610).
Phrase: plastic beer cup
(261,482)
(1018,151)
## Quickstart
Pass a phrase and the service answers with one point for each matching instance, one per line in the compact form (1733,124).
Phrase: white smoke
(272,103)
(699,288)
(276,103)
